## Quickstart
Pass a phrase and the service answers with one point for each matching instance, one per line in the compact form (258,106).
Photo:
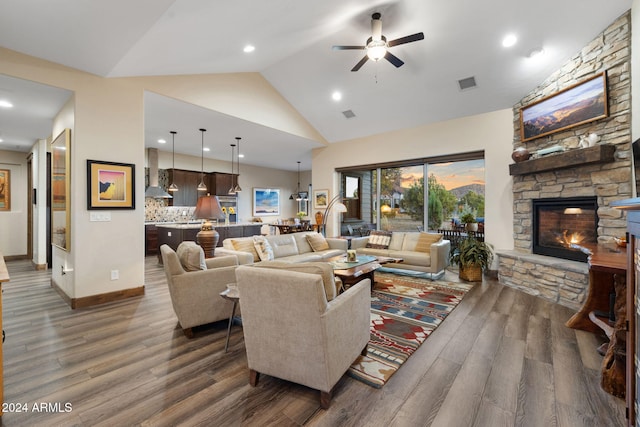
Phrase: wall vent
(349,114)
(468,83)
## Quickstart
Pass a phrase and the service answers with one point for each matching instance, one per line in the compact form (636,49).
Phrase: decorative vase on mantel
(520,154)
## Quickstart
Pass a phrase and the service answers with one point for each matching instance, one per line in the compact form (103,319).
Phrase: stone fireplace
(600,174)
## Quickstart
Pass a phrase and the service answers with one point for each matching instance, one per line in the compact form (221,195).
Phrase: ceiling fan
(377,45)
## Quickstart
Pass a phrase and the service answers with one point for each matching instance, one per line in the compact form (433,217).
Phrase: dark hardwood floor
(502,358)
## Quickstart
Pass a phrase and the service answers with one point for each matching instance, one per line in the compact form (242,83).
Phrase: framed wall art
(5,190)
(581,103)
(266,201)
(320,199)
(110,185)
(61,190)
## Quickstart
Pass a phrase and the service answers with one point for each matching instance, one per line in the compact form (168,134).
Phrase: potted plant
(469,221)
(472,257)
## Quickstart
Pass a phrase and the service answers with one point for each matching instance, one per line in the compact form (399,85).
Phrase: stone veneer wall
(610,51)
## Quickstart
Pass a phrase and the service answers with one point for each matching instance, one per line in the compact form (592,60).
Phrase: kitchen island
(174,233)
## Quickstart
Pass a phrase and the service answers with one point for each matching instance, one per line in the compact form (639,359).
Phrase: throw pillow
(426,240)
(379,240)
(317,242)
(191,256)
(263,248)
(245,245)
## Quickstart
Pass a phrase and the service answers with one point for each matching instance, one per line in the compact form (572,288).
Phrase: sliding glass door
(395,198)
(402,198)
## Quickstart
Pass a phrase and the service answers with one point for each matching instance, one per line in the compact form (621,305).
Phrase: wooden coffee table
(389,260)
(352,272)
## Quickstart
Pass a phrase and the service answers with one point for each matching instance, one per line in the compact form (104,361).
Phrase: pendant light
(232,190)
(297,194)
(237,188)
(202,186)
(173,187)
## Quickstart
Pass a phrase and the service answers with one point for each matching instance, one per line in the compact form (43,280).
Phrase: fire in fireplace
(561,224)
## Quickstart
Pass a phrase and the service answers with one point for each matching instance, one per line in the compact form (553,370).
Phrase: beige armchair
(292,332)
(195,295)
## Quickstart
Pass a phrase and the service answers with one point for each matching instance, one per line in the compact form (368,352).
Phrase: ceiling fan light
(376,50)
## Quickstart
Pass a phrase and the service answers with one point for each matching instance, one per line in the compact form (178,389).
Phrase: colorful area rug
(404,312)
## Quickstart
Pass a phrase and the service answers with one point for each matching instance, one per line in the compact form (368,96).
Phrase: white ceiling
(293,52)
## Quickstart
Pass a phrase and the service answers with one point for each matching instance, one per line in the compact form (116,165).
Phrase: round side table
(231,294)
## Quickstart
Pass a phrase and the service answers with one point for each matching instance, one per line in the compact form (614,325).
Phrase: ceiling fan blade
(393,59)
(407,39)
(348,47)
(360,64)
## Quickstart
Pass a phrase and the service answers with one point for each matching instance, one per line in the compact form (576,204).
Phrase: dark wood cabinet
(219,183)
(150,239)
(187,181)
(252,230)
(174,234)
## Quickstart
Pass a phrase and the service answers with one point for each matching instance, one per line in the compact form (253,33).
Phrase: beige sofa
(432,258)
(292,247)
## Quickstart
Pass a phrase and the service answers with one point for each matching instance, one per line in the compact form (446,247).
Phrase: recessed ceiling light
(161,141)
(241,156)
(249,48)
(509,40)
(5,104)
(1,140)
(206,149)
(336,96)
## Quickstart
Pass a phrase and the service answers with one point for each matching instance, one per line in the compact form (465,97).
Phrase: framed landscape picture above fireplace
(581,103)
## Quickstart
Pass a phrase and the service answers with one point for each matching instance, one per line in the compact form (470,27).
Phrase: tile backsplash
(156,210)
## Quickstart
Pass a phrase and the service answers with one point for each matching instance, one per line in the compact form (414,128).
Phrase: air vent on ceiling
(468,83)
(349,114)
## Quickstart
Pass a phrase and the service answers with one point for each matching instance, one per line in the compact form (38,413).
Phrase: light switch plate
(100,216)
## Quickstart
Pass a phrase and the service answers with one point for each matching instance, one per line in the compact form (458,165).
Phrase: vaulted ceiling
(293,51)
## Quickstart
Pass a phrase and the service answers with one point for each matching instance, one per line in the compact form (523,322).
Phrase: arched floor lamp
(336,203)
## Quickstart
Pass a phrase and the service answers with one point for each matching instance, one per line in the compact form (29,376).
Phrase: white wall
(491,132)
(13,223)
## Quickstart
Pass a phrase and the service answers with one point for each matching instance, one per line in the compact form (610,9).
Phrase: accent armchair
(195,295)
(292,332)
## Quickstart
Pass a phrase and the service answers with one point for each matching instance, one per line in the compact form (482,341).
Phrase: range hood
(154,190)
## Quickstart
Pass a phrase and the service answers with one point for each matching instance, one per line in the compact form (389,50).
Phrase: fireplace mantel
(579,157)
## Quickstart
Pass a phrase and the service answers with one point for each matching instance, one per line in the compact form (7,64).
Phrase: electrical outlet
(115,274)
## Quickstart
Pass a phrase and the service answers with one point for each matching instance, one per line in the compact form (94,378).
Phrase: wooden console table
(607,276)
(606,261)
